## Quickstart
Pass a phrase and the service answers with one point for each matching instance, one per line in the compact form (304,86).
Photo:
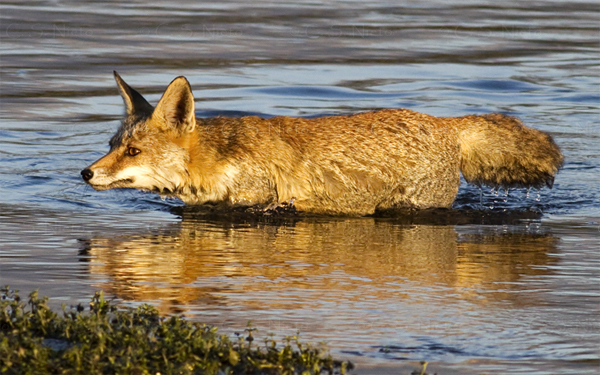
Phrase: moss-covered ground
(105,339)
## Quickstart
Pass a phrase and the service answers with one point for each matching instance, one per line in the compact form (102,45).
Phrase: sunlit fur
(355,164)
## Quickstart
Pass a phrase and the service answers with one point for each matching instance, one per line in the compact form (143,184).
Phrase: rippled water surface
(508,284)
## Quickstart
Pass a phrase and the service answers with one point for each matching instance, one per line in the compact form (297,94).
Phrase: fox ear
(134,101)
(176,107)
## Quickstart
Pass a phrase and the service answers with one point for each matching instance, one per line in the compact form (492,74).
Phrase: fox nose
(87,174)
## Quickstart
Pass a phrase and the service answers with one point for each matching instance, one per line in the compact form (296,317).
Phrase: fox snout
(87,174)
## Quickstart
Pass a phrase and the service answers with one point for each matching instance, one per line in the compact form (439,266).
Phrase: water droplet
(480,197)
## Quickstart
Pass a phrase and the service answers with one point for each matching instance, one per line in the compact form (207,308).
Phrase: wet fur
(355,164)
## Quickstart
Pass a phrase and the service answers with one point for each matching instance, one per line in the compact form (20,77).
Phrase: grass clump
(106,340)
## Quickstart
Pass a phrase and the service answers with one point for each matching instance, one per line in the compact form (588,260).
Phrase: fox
(356,164)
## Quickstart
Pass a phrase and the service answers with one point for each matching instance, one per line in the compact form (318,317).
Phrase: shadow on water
(433,216)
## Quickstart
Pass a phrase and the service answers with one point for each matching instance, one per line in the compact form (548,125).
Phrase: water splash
(495,197)
(501,198)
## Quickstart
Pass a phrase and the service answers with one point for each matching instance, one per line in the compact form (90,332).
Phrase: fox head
(150,151)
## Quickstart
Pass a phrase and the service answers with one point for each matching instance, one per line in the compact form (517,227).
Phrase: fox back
(355,164)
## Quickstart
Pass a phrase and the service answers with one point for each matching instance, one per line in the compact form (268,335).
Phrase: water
(506,285)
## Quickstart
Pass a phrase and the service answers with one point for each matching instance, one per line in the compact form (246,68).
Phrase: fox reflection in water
(197,263)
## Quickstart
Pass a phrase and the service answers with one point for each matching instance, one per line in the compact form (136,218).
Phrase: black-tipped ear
(134,101)
(176,107)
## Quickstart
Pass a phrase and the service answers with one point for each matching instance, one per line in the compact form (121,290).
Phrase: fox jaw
(151,149)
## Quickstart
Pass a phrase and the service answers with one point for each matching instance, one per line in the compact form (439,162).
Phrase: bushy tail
(499,151)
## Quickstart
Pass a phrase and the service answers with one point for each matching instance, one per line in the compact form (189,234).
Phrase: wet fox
(356,164)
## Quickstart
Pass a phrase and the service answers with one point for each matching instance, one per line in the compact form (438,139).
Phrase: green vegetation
(110,340)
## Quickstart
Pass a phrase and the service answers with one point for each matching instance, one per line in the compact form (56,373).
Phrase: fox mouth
(124,183)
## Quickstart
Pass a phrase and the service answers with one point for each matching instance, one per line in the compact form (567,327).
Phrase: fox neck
(209,175)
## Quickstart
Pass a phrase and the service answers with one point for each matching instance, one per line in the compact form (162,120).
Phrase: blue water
(508,284)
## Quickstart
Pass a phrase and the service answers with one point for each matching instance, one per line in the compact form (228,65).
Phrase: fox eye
(132,151)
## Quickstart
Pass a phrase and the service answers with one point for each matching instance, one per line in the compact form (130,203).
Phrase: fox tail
(499,151)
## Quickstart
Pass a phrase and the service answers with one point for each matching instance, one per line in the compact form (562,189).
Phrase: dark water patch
(497,85)
(31,95)
(327,93)
(236,114)
(594,99)
(7,133)
(425,350)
